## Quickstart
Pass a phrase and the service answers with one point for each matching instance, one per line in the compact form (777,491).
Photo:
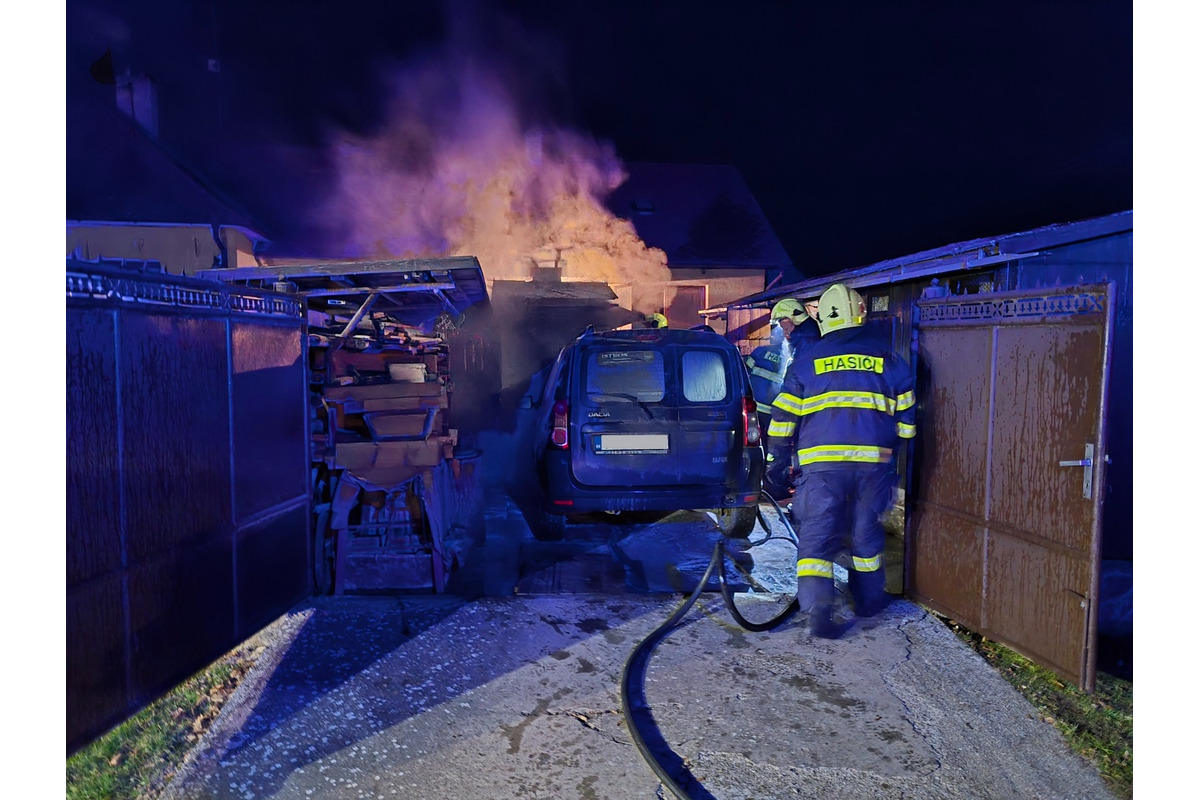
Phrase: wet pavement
(509,686)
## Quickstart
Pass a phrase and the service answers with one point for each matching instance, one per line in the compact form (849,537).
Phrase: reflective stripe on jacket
(846,399)
(768,363)
(766,368)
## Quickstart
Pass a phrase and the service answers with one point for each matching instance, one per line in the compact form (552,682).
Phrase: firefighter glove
(778,478)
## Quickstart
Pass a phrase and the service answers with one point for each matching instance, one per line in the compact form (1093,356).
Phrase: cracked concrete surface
(518,696)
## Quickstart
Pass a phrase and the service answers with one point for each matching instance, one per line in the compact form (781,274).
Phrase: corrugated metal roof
(969,254)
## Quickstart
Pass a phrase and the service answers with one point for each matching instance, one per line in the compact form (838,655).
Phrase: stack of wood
(382,435)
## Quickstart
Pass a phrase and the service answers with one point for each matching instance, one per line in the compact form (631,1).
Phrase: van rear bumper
(561,494)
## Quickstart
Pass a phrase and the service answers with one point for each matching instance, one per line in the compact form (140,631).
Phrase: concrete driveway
(511,688)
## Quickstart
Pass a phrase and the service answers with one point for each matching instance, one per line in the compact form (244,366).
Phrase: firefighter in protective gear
(654,321)
(840,307)
(767,363)
(845,405)
(788,308)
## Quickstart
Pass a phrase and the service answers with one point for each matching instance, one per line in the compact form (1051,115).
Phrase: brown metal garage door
(1005,530)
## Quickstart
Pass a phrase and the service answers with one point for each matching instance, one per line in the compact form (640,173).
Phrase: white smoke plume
(455,171)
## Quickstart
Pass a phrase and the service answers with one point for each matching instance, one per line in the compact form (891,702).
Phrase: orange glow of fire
(455,172)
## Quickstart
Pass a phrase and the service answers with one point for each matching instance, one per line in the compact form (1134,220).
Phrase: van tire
(737,522)
(547,527)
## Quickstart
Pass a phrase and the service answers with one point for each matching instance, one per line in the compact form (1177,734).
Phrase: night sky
(866,130)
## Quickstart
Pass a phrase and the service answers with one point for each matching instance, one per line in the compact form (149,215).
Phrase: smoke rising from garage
(455,170)
(461,164)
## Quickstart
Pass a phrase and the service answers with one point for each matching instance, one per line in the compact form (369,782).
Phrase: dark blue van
(651,419)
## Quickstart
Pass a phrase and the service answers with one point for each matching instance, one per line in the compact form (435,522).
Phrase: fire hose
(671,770)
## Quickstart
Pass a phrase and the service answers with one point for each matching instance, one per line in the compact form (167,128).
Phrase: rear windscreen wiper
(621,396)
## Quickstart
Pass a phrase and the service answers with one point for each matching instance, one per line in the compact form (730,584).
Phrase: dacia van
(650,419)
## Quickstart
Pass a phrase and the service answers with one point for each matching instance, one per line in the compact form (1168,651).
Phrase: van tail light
(558,433)
(751,433)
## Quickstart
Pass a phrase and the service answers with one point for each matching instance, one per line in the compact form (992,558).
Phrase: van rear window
(704,376)
(625,373)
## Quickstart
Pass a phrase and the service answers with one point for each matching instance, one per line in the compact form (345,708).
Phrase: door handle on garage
(1089,451)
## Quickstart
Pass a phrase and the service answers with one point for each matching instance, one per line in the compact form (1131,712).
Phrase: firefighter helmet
(655,321)
(840,307)
(788,308)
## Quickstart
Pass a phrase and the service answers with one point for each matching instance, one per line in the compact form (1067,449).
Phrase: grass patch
(1097,726)
(137,758)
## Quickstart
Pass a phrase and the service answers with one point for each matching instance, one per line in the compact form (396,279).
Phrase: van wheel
(737,522)
(548,527)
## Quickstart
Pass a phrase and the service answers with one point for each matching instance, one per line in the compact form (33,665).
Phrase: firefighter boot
(815,595)
(821,624)
(867,589)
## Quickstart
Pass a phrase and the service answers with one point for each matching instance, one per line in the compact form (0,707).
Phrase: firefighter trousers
(836,505)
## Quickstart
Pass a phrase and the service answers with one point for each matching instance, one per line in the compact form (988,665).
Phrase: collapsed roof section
(345,294)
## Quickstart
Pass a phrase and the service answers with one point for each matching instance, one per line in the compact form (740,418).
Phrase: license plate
(618,443)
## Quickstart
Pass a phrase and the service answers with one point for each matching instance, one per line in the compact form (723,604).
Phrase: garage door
(1005,531)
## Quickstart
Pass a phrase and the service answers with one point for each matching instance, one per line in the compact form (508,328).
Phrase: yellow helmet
(840,307)
(655,321)
(789,308)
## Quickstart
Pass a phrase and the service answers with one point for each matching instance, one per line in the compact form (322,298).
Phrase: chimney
(543,273)
(137,96)
(547,268)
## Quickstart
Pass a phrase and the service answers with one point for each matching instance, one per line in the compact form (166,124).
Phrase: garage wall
(188,502)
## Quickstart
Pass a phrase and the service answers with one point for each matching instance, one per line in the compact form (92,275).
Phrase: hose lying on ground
(654,749)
